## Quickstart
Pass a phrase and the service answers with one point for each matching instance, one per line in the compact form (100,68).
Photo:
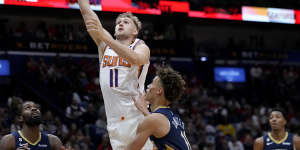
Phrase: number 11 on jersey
(113,77)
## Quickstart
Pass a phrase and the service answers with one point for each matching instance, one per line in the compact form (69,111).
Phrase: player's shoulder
(141,44)
(139,41)
(156,118)
(154,121)
(53,139)
(55,142)
(157,115)
(8,137)
(296,139)
(7,142)
(167,112)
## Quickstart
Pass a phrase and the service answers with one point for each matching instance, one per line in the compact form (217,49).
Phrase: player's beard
(33,121)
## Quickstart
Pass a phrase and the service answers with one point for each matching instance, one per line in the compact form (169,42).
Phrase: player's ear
(135,32)
(285,122)
(20,118)
(160,91)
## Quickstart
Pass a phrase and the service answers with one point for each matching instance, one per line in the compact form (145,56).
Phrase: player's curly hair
(135,19)
(172,83)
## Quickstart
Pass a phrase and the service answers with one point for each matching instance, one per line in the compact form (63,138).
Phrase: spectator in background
(49,123)
(62,129)
(41,31)
(210,131)
(222,142)
(75,111)
(89,117)
(14,104)
(256,72)
(248,142)
(235,144)
(206,147)
(4,128)
(227,128)
(15,125)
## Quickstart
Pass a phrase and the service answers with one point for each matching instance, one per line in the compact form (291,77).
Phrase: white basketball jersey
(120,81)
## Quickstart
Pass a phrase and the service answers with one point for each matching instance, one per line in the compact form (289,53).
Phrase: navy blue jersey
(176,138)
(41,144)
(285,144)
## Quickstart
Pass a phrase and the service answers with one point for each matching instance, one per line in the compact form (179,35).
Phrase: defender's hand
(141,104)
(25,147)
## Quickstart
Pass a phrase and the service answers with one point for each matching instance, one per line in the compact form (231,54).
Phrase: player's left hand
(141,104)
(94,27)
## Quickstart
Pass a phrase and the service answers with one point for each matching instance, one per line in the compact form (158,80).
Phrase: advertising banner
(273,15)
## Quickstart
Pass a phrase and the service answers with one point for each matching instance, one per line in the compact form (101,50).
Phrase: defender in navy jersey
(164,127)
(278,138)
(30,137)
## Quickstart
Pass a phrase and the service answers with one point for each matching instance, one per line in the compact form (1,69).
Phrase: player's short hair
(172,83)
(134,18)
(280,109)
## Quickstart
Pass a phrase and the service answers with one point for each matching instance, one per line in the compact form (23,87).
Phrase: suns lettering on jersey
(112,61)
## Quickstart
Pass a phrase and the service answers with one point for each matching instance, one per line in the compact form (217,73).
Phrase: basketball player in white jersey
(124,64)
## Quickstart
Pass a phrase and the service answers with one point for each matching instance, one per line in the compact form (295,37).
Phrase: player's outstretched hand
(141,104)
(25,147)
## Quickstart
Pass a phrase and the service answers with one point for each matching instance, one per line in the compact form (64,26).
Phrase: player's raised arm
(93,25)
(91,20)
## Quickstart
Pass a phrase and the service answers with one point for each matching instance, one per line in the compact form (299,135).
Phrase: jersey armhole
(170,127)
(137,43)
(100,62)
(15,137)
(264,140)
(105,48)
